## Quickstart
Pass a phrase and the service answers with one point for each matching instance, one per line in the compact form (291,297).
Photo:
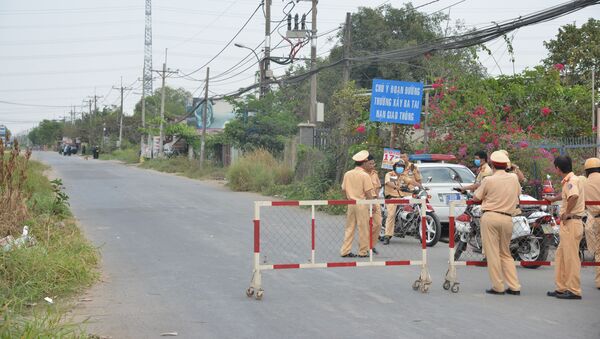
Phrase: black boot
(386,240)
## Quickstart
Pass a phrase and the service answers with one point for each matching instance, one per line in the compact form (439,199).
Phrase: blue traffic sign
(396,101)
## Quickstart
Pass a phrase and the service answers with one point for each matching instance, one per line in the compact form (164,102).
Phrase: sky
(61,53)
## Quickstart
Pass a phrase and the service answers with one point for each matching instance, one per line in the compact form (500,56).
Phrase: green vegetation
(186,168)
(128,155)
(258,171)
(60,263)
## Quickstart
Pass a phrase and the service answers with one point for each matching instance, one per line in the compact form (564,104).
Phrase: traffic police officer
(357,185)
(394,181)
(568,264)
(376,226)
(513,168)
(483,171)
(592,227)
(411,170)
(499,197)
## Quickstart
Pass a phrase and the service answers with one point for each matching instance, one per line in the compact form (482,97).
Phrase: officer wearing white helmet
(499,197)
(592,227)
(357,185)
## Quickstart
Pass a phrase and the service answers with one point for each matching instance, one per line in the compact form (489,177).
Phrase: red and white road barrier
(451,282)
(313,225)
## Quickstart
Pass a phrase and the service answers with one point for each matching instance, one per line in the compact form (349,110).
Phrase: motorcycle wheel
(538,251)
(459,248)
(434,229)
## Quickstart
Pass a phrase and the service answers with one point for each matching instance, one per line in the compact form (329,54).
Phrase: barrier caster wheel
(455,288)
(259,294)
(416,285)
(250,292)
(446,285)
(424,288)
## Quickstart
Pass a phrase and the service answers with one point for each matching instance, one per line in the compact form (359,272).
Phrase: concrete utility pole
(93,113)
(204,113)
(163,73)
(122,89)
(425,116)
(347,46)
(313,64)
(265,68)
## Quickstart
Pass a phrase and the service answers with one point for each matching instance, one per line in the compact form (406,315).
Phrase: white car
(440,178)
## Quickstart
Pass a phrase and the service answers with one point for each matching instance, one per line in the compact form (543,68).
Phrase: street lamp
(260,66)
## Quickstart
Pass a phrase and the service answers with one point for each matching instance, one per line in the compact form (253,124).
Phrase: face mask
(477,162)
(399,170)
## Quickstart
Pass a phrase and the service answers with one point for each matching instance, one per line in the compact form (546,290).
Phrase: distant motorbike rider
(398,184)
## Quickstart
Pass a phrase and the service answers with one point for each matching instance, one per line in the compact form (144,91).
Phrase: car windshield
(446,174)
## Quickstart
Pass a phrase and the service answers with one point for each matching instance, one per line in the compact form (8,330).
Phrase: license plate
(548,229)
(451,197)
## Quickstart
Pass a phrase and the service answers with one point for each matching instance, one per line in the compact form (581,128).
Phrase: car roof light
(431,157)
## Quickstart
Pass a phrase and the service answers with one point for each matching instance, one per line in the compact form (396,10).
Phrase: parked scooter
(408,219)
(530,240)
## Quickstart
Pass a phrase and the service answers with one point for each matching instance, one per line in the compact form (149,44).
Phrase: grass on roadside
(61,263)
(185,167)
(128,155)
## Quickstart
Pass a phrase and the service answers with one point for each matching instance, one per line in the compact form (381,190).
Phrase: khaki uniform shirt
(573,185)
(484,171)
(375,181)
(413,172)
(357,183)
(499,192)
(592,192)
(401,179)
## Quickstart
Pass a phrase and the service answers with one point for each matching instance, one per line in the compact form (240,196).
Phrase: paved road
(177,257)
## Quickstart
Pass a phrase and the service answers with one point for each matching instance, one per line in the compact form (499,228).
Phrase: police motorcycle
(408,218)
(531,236)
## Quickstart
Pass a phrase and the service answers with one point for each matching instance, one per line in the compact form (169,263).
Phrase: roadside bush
(258,171)
(127,155)
(188,168)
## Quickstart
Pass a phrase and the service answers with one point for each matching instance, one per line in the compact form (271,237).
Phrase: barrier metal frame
(422,283)
(451,282)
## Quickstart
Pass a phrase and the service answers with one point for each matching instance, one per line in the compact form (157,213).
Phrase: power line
(228,43)
(468,39)
(32,105)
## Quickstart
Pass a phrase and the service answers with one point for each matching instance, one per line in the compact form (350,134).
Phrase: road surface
(177,257)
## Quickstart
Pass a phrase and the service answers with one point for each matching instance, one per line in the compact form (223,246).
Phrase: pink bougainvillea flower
(506,108)
(554,150)
(546,111)
(594,129)
(479,111)
(417,126)
(482,139)
(361,129)
(523,144)
(462,151)
(419,151)
(452,89)
(559,67)
(530,127)
(436,85)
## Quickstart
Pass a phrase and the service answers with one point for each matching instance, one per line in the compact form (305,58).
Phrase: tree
(576,49)
(262,123)
(48,132)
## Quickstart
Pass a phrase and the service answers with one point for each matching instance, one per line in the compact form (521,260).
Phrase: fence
(294,235)
(533,244)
